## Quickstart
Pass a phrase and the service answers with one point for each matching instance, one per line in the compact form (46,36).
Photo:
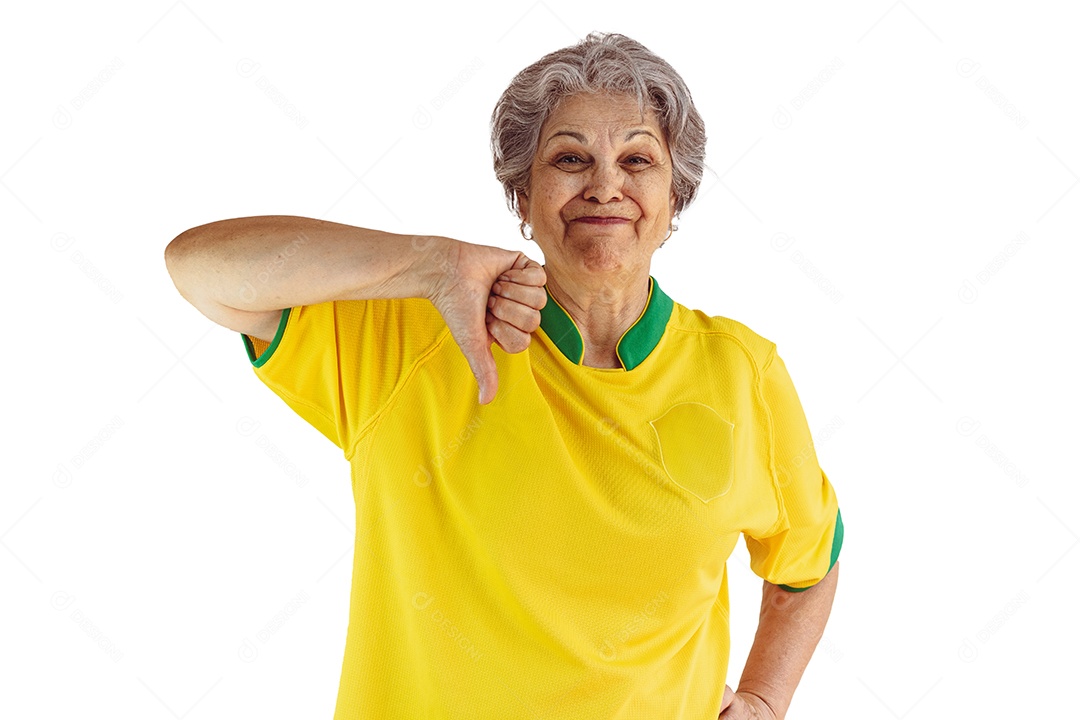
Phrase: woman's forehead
(590,113)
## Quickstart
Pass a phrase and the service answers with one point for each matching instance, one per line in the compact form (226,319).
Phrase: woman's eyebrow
(581,138)
(576,135)
(632,133)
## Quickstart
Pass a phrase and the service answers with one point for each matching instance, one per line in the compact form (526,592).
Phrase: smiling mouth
(601,220)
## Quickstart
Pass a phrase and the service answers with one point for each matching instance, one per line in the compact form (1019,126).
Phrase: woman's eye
(569,159)
(638,160)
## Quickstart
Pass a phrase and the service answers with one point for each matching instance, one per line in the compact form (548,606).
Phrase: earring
(522,229)
(672,227)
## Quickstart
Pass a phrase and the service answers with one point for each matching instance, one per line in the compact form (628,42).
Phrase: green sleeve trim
(261,360)
(837,539)
(837,542)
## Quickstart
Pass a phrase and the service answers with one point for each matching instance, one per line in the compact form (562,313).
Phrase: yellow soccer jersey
(560,552)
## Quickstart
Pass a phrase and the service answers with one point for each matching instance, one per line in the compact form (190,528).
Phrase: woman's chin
(604,253)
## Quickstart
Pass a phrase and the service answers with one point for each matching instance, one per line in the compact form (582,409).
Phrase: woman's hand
(744,706)
(487,294)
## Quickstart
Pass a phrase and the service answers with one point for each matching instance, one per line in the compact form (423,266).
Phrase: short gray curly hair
(601,63)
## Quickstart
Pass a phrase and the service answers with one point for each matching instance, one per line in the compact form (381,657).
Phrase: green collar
(636,343)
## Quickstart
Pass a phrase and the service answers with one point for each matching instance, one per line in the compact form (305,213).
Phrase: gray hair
(601,63)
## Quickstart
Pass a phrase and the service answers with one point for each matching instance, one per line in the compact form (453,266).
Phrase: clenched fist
(489,295)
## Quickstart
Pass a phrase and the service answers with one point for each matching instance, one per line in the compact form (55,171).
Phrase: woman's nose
(604,183)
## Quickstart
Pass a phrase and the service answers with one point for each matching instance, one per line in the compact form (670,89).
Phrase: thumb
(729,696)
(482,363)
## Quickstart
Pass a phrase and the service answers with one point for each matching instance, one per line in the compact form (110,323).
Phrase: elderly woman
(556,549)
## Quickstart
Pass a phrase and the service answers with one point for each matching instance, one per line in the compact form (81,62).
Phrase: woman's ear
(523,206)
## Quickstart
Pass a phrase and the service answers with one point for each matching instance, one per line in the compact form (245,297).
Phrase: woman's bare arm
(242,272)
(790,626)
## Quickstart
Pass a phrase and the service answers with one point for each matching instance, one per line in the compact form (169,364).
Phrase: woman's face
(600,195)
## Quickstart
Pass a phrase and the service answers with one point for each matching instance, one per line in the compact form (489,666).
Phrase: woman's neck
(602,307)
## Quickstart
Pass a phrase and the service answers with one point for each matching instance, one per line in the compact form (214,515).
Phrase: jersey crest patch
(697,449)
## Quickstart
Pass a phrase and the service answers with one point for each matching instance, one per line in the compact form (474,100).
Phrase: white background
(891,198)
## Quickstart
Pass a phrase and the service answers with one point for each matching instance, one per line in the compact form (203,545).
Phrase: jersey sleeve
(803,545)
(338,363)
